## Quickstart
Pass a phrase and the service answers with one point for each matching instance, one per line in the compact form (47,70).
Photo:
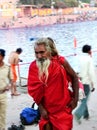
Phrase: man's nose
(39,55)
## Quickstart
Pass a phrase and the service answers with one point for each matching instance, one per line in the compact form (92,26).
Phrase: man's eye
(40,52)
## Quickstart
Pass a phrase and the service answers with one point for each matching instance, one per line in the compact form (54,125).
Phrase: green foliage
(85,1)
(26,2)
(69,3)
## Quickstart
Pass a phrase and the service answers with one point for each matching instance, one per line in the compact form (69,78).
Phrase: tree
(26,2)
(71,3)
(68,3)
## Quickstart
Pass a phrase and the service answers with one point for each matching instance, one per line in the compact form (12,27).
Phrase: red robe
(60,60)
(54,95)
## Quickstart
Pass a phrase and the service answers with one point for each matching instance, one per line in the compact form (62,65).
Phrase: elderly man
(48,85)
(5,75)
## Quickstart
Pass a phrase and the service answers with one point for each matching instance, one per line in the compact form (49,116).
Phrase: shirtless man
(14,60)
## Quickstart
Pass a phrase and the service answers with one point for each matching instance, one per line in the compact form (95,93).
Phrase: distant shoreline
(26,22)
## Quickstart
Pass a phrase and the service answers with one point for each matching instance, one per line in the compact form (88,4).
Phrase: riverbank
(26,22)
(37,21)
(18,103)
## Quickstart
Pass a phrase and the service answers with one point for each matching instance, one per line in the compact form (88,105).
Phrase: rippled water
(63,34)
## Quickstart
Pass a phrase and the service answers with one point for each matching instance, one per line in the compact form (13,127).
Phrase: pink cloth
(81,85)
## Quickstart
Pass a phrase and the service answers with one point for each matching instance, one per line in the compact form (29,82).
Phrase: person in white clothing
(87,75)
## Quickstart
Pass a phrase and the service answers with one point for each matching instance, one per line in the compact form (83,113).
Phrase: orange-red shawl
(53,94)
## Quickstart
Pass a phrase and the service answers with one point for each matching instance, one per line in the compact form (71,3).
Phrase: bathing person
(13,61)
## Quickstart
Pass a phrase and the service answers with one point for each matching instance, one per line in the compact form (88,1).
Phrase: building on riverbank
(12,16)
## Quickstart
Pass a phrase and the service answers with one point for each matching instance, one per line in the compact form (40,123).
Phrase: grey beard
(43,65)
(42,60)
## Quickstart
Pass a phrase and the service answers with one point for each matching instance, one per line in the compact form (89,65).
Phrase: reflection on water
(85,33)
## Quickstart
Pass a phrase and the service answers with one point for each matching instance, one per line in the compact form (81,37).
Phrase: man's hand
(20,60)
(93,89)
(73,104)
(7,88)
(43,112)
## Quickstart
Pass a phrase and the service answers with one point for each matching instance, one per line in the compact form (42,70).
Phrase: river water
(63,34)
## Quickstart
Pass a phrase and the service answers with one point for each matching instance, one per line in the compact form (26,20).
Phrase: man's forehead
(40,47)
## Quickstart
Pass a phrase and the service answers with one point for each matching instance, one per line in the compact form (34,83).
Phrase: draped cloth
(61,60)
(13,68)
(52,94)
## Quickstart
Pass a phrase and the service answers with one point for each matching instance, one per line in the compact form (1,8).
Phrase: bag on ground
(29,116)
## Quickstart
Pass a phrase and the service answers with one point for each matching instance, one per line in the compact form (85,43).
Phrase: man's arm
(92,75)
(75,84)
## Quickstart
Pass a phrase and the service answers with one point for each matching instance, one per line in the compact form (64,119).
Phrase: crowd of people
(52,83)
